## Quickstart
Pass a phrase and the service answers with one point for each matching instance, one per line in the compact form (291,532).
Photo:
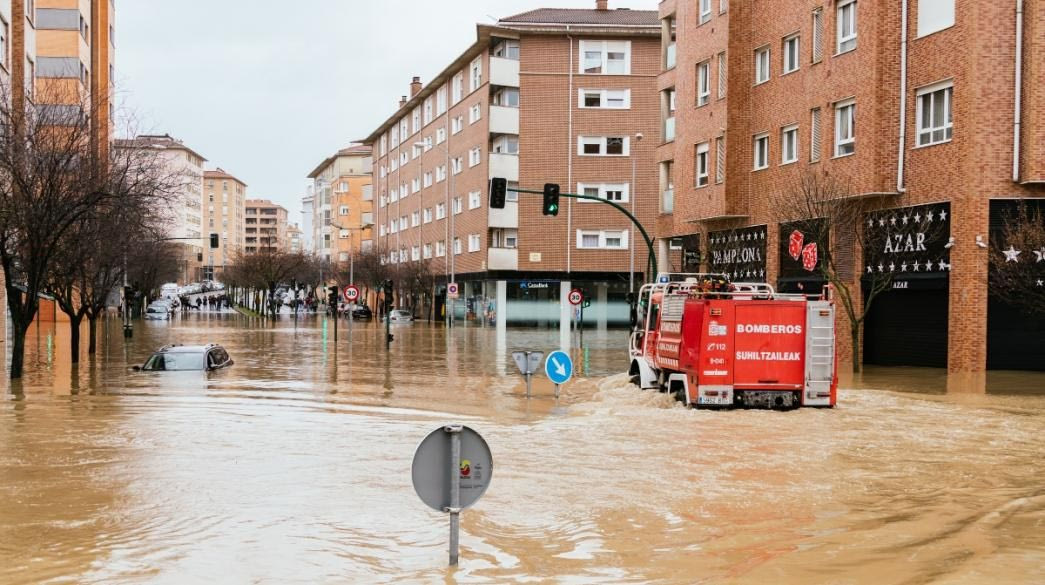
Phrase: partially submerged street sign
(451,470)
(559,368)
(527,362)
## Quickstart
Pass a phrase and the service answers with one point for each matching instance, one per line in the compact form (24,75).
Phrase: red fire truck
(716,343)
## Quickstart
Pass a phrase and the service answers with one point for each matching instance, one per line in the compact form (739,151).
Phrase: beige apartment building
(265,227)
(295,239)
(184,217)
(224,209)
(341,205)
(938,123)
(547,96)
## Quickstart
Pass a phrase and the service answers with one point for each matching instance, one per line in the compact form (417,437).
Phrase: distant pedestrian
(199,303)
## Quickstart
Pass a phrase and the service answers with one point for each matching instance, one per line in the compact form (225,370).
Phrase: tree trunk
(92,329)
(854,331)
(18,347)
(74,338)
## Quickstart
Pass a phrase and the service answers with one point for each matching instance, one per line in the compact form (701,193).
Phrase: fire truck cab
(715,343)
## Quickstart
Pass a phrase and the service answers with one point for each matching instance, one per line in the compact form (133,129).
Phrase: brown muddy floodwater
(293,467)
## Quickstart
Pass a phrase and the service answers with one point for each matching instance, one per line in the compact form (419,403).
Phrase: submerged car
(187,358)
(362,313)
(401,316)
(157,312)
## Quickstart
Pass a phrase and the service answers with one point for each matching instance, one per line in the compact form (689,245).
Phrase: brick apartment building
(224,208)
(548,96)
(340,204)
(264,227)
(922,120)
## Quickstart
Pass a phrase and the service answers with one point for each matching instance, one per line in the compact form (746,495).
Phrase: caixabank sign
(906,251)
(739,253)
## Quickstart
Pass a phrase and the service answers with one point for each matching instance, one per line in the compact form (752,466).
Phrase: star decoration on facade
(1012,254)
(870,270)
(881,268)
(929,217)
(904,219)
(763,234)
(892,267)
(943,265)
(1040,254)
(1040,282)
(917,218)
(881,222)
(943,215)
(903,267)
(761,273)
(917,266)
(870,223)
(892,221)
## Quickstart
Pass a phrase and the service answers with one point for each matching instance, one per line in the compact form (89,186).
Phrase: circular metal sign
(351,292)
(576,296)
(452,289)
(432,475)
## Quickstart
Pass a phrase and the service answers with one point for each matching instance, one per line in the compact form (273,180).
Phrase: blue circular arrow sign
(558,367)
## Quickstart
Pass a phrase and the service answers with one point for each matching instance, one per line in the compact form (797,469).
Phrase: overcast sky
(267,92)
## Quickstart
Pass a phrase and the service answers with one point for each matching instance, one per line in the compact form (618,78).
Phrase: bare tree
(263,271)
(371,270)
(417,281)
(1017,268)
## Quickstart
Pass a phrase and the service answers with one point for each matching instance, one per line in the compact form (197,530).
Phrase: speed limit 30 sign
(351,292)
(576,297)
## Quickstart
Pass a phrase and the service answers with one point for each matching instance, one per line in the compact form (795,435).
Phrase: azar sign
(740,253)
(908,241)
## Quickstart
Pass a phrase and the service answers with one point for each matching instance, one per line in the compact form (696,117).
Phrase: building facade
(295,239)
(308,211)
(547,96)
(224,209)
(265,227)
(889,99)
(343,204)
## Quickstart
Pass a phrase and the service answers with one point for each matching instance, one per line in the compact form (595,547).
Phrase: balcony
(669,129)
(505,166)
(504,72)
(667,201)
(503,259)
(505,218)
(367,218)
(504,120)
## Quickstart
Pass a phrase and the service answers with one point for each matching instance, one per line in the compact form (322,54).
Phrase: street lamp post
(631,235)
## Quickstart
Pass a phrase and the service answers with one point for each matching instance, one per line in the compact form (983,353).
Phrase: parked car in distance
(401,316)
(157,312)
(187,358)
(168,303)
(362,312)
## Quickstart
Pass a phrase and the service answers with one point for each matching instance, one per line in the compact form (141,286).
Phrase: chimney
(402,101)
(602,4)
(415,86)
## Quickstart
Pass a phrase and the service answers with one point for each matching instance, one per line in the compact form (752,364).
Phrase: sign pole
(556,391)
(528,376)
(455,491)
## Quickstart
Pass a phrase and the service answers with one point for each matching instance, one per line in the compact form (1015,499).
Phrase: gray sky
(267,94)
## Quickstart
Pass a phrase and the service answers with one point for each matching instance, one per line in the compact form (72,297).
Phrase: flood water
(293,466)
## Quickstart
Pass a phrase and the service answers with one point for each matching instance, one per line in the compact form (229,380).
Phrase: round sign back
(431,471)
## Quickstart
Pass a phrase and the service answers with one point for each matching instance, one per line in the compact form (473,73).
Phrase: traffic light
(213,241)
(388,287)
(551,199)
(332,295)
(498,192)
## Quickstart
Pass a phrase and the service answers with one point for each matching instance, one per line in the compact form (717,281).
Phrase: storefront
(803,249)
(907,265)
(738,253)
(1015,331)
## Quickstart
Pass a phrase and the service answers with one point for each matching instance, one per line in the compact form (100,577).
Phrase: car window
(185,361)
(155,363)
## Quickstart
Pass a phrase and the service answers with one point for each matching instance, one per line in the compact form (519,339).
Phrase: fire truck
(716,343)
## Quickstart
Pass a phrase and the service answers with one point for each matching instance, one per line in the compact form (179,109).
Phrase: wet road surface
(293,467)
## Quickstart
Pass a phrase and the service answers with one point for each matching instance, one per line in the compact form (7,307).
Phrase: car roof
(188,348)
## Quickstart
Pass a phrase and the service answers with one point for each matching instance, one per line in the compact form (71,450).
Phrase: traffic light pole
(652,260)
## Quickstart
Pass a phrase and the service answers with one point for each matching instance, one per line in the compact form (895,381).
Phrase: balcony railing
(667,201)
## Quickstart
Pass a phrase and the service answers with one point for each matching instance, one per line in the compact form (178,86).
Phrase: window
(457,246)
(5,31)
(456,124)
(404,157)
(415,253)
(440,173)
(427,251)
(721,75)
(402,223)
(440,101)
(415,185)
(440,210)
(606,57)
(604,239)
(393,195)
(616,192)
(761,148)
(703,83)
(475,74)
(934,15)
(720,160)
(416,150)
(415,219)
(507,50)
(428,111)
(602,146)
(610,99)
(845,131)
(343,234)
(846,25)
(702,164)
(818,35)
(791,48)
(457,206)
(343,210)
(417,119)
(475,113)
(473,242)
(506,144)
(723,5)
(427,215)
(789,144)
(934,119)
(440,249)
(428,179)
(762,65)
(455,165)
(814,135)
(428,143)
(507,97)
(395,136)
(457,91)
(474,156)
(440,136)
(475,199)
(705,11)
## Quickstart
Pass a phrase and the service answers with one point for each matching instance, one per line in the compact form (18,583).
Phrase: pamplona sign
(740,253)
(906,242)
